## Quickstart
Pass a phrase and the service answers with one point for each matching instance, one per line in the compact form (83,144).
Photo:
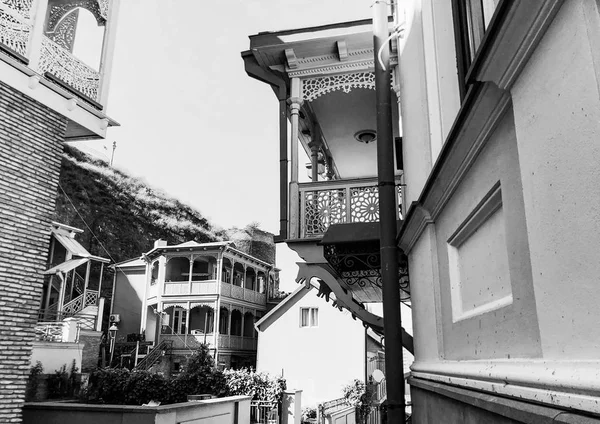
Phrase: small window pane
(304,317)
(314,317)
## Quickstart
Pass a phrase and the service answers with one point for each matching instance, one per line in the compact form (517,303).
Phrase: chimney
(160,243)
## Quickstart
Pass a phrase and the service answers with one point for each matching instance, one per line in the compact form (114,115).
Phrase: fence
(263,412)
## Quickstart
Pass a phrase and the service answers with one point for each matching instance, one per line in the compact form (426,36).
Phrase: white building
(316,347)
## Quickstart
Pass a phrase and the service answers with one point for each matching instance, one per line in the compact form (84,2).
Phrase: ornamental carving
(315,87)
(23,7)
(364,204)
(14,33)
(66,67)
(323,208)
(57,10)
(64,34)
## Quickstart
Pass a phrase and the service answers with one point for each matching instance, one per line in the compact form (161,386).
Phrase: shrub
(63,383)
(261,386)
(33,381)
(359,396)
(308,414)
(121,386)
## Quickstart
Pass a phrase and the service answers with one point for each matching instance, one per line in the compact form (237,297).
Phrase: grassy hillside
(125,215)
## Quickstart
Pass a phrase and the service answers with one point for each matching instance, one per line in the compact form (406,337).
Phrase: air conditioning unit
(114,318)
(197,332)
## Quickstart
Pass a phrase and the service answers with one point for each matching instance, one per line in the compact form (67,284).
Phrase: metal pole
(392,323)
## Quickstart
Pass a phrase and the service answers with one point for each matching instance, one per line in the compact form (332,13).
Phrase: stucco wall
(511,330)
(557,114)
(129,294)
(53,355)
(319,361)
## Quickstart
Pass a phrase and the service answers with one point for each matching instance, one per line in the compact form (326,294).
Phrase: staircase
(163,348)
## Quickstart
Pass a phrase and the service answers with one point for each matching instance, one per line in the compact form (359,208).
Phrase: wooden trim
(13,54)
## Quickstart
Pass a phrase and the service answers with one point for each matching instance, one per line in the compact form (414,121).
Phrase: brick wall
(30,153)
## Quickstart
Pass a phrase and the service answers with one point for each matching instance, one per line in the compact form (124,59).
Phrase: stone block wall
(30,156)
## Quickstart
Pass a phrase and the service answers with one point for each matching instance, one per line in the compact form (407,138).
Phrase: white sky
(192,122)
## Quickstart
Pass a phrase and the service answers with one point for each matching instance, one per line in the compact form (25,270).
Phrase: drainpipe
(254,70)
(392,323)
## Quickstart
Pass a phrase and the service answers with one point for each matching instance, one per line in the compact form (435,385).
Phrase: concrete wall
(30,136)
(319,361)
(229,410)
(557,116)
(129,295)
(53,355)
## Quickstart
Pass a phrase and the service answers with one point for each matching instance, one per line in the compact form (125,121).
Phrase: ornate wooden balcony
(224,341)
(242,293)
(326,203)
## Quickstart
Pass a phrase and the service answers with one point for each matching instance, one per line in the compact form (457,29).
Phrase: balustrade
(17,32)
(241,293)
(323,204)
(197,287)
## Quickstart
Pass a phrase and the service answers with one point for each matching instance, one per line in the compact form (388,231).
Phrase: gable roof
(283,306)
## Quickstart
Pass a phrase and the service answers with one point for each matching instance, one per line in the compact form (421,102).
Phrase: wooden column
(190,276)
(295,102)
(187,322)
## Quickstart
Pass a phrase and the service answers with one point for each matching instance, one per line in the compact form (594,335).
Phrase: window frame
(312,312)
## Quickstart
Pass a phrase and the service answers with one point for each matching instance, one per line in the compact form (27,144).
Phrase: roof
(67,240)
(66,266)
(130,263)
(286,303)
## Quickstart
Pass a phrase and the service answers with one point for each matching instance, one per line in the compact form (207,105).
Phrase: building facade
(301,336)
(47,95)
(183,295)
(496,121)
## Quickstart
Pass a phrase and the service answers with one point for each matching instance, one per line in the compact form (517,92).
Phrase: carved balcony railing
(87,298)
(242,293)
(15,26)
(49,331)
(195,287)
(59,62)
(226,341)
(323,204)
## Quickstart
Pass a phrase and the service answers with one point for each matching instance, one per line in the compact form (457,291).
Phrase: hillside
(126,216)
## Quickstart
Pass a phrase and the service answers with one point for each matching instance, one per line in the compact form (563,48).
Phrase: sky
(192,122)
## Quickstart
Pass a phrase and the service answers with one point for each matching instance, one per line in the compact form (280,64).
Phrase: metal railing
(326,203)
(163,348)
(263,412)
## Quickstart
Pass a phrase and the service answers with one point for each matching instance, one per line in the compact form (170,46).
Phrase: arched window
(177,269)
(250,282)
(238,274)
(154,272)
(261,283)
(248,324)
(236,323)
(226,271)
(224,321)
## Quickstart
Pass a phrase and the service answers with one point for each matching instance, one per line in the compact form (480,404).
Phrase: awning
(66,266)
(75,248)
(72,245)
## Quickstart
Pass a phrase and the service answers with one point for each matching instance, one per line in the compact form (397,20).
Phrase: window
(179,318)
(309,317)
(472,18)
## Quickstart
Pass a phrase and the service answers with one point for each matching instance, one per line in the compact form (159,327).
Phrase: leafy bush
(359,396)
(63,383)
(261,386)
(121,386)
(33,381)
(309,413)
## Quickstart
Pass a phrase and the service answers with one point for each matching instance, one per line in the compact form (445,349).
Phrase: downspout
(254,70)
(392,322)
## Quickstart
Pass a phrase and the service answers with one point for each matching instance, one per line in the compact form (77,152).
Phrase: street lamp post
(112,332)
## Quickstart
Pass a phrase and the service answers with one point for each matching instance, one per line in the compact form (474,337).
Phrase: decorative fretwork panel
(315,87)
(23,7)
(338,202)
(364,204)
(66,67)
(49,331)
(323,208)
(14,33)
(64,34)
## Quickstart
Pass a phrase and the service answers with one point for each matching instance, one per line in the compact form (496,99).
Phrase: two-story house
(496,124)
(55,65)
(182,295)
